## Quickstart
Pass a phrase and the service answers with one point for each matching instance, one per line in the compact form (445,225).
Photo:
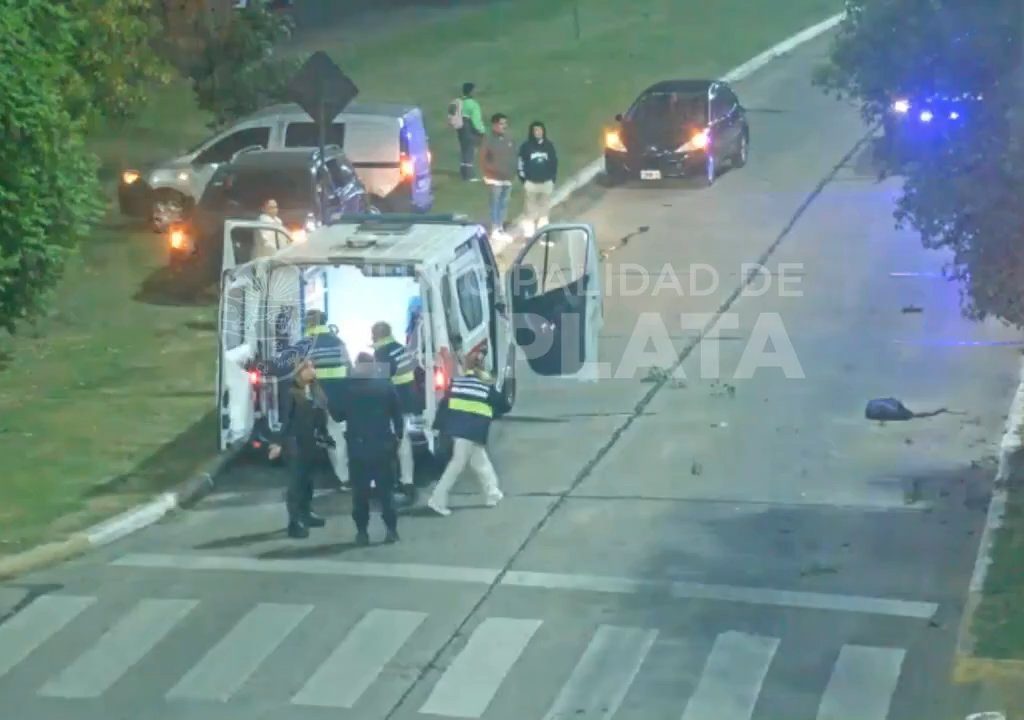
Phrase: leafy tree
(236,72)
(112,57)
(49,194)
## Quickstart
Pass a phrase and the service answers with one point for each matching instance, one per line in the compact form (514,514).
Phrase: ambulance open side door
(237,345)
(246,240)
(557,303)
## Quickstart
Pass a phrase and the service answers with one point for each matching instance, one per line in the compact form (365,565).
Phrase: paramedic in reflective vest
(331,361)
(465,415)
(402,371)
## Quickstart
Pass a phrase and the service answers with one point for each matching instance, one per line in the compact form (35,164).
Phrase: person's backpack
(455,114)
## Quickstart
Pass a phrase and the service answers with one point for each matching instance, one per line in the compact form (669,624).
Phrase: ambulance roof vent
(384,227)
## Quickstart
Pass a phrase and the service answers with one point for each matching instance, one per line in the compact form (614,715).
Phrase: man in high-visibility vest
(402,370)
(465,415)
(329,356)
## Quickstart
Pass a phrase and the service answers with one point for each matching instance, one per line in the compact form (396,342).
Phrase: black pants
(469,141)
(378,468)
(299,497)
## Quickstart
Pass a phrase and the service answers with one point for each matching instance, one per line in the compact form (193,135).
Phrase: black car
(678,128)
(309,191)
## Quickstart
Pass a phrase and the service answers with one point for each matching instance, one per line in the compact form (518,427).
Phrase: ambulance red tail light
(254,377)
(406,167)
(440,380)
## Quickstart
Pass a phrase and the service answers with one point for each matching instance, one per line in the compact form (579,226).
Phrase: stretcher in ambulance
(434,280)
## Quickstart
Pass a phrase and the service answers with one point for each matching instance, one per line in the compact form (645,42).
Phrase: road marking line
(862,684)
(472,680)
(732,678)
(548,581)
(23,633)
(119,649)
(233,660)
(343,678)
(599,682)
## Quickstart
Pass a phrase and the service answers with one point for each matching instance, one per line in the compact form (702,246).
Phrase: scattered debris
(891,409)
(678,385)
(912,309)
(722,424)
(723,390)
(655,375)
(696,468)
(816,570)
(908,441)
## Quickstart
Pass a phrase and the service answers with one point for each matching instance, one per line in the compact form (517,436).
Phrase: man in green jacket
(465,116)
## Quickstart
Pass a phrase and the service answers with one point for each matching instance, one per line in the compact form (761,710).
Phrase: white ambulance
(435,280)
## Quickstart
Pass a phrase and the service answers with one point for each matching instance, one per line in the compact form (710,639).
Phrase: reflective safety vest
(327,352)
(401,367)
(467,409)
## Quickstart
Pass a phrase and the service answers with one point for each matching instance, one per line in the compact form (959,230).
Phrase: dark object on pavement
(891,410)
(912,309)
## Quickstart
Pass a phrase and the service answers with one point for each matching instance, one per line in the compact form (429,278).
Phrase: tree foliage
(48,188)
(237,72)
(963,195)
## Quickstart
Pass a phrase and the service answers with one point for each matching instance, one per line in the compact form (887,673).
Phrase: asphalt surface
(701,548)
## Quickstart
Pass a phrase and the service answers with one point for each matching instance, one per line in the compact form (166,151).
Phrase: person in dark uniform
(303,417)
(374,428)
(392,355)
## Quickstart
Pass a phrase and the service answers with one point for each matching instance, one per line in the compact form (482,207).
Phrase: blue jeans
(499,205)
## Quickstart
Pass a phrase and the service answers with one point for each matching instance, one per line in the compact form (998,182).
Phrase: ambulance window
(470,299)
(449,316)
(234,318)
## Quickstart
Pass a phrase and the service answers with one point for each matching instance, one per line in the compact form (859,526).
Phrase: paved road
(666,550)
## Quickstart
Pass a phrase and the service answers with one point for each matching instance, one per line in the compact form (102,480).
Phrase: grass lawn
(998,624)
(109,399)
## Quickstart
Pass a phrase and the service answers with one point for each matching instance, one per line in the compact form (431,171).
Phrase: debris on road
(912,309)
(696,468)
(892,410)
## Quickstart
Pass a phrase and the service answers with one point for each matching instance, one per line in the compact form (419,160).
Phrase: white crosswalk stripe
(473,679)
(119,649)
(861,685)
(352,668)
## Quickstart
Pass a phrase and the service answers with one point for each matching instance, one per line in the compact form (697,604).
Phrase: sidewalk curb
(589,172)
(966,667)
(119,526)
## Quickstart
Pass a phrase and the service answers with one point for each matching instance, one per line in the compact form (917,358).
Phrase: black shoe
(362,539)
(391,537)
(314,521)
(298,531)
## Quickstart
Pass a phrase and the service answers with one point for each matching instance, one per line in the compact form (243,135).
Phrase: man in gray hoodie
(499,163)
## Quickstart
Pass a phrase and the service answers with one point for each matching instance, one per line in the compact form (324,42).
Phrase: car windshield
(251,187)
(677,108)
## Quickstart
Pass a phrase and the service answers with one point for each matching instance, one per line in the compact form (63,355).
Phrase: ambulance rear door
(464,293)
(237,345)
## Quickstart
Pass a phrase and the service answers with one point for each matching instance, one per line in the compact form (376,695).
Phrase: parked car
(386,144)
(310,191)
(677,128)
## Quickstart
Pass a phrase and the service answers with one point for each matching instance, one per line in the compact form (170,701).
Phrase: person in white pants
(465,415)
(401,368)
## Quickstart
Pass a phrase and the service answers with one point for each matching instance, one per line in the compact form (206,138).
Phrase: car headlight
(901,106)
(613,142)
(178,239)
(130,177)
(699,141)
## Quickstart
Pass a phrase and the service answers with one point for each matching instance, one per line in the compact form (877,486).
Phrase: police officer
(330,358)
(375,426)
(465,415)
(303,416)
(401,369)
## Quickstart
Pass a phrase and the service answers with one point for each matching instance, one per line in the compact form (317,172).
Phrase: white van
(386,143)
(376,268)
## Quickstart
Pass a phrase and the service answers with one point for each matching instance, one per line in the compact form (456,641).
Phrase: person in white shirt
(268,214)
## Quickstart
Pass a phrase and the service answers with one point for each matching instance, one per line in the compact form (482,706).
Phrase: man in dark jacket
(465,416)
(538,169)
(375,426)
(401,368)
(498,163)
(303,416)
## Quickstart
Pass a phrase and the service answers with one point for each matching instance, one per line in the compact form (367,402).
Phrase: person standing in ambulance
(332,363)
(402,371)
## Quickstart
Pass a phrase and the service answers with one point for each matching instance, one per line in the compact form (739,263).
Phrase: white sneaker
(494,498)
(438,508)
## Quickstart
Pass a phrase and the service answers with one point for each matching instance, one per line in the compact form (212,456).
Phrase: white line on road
(862,684)
(360,659)
(547,581)
(233,660)
(472,680)
(120,648)
(36,624)
(601,679)
(732,677)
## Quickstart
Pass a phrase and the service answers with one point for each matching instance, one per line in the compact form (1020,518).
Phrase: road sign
(321,88)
